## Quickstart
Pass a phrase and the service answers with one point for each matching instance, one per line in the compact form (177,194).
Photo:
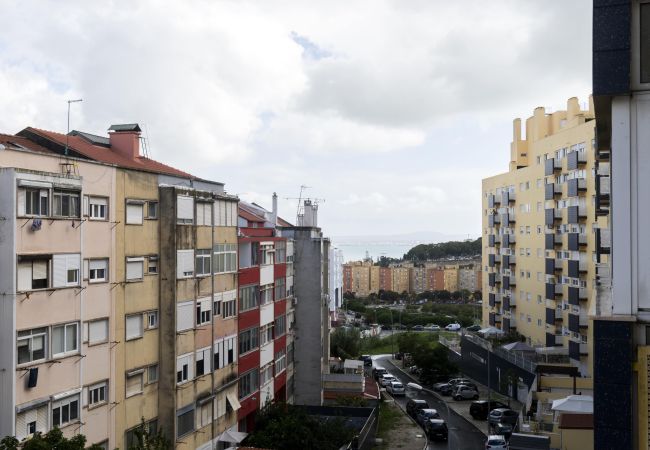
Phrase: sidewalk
(462,407)
(406,434)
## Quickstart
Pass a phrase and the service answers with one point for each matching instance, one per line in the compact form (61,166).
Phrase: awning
(574,404)
(232,436)
(234,403)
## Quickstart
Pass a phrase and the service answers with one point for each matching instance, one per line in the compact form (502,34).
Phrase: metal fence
(516,358)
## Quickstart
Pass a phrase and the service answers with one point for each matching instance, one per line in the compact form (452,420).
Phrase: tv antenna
(67,135)
(300,198)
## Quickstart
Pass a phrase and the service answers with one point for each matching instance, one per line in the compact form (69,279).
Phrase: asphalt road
(462,434)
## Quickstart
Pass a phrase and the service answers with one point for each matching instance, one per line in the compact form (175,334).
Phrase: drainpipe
(212,323)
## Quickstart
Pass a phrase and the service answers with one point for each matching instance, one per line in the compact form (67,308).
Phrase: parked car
(453,327)
(444,388)
(386,378)
(367,360)
(479,409)
(432,327)
(503,429)
(455,381)
(473,328)
(414,404)
(463,392)
(496,442)
(417,328)
(425,414)
(414,369)
(399,355)
(396,388)
(377,372)
(503,415)
(436,429)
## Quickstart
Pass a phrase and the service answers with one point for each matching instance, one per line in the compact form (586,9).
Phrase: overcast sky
(392,111)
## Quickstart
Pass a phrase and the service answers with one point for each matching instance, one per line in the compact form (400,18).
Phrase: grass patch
(389,415)
(389,344)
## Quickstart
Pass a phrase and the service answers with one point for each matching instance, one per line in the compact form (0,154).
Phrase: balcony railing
(576,240)
(551,190)
(551,165)
(575,213)
(575,186)
(574,159)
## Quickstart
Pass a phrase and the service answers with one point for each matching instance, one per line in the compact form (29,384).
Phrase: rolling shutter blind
(21,201)
(85,205)
(134,213)
(134,268)
(222,213)
(184,263)
(24,276)
(229,295)
(41,419)
(185,316)
(133,383)
(134,326)
(233,214)
(98,264)
(98,331)
(206,305)
(59,273)
(185,207)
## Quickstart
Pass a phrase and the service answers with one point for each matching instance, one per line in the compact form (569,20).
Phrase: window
(248,340)
(97,208)
(184,210)
(184,316)
(96,331)
(229,308)
(255,253)
(280,361)
(134,269)
(268,254)
(225,213)
(203,311)
(184,263)
(184,368)
(280,326)
(33,272)
(539,322)
(202,262)
(225,258)
(152,374)
(205,407)
(280,290)
(134,212)
(248,383)
(65,203)
(281,251)
(216,307)
(248,297)
(97,394)
(131,439)
(266,374)
(133,326)
(266,294)
(30,345)
(35,203)
(97,270)
(65,411)
(152,210)
(31,420)
(152,320)
(203,361)
(65,270)
(152,265)
(134,382)
(185,421)
(204,213)
(266,334)
(65,339)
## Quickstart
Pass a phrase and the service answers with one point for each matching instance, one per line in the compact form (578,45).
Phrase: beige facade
(361,279)
(400,279)
(451,278)
(538,222)
(417,279)
(374,279)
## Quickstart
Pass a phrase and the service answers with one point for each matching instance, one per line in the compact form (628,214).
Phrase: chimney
(125,139)
(274,210)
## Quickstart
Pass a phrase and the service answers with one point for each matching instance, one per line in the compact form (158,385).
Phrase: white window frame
(139,374)
(203,311)
(185,263)
(225,258)
(152,261)
(155,205)
(152,319)
(61,405)
(88,326)
(94,267)
(63,266)
(96,207)
(132,263)
(204,355)
(152,369)
(69,329)
(72,195)
(184,367)
(97,394)
(34,333)
(203,257)
(134,212)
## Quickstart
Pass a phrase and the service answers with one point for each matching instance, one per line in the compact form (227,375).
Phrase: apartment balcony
(492,299)
(577,349)
(490,199)
(602,184)
(507,197)
(507,218)
(491,262)
(491,220)
(578,321)
(553,290)
(509,239)
(575,186)
(551,215)
(552,265)
(552,165)
(603,241)
(507,281)
(491,239)
(509,302)
(603,275)
(498,317)
(550,316)
(496,199)
(551,240)
(497,238)
(512,260)
(553,340)
(575,159)
(492,319)
(576,240)
(508,324)
(576,213)
(492,277)
(551,190)
(575,268)
(576,295)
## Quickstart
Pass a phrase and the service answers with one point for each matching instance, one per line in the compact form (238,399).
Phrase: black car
(377,372)
(436,429)
(479,409)
(423,415)
(413,405)
(445,389)
(367,360)
(473,328)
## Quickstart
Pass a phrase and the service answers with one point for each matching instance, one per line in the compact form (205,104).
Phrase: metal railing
(516,358)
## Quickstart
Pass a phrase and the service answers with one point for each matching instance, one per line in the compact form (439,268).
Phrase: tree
(345,343)
(53,439)
(434,363)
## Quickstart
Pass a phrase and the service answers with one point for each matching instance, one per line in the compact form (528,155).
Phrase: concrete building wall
(451,278)
(400,280)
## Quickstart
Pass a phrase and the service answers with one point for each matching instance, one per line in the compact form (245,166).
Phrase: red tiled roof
(105,155)
(10,140)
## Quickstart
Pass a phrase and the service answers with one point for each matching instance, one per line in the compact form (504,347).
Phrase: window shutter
(206,305)
(85,205)
(233,214)
(185,316)
(184,263)
(59,270)
(134,326)
(134,213)
(98,331)
(98,264)
(184,207)
(73,262)
(24,276)
(223,213)
(133,384)
(134,268)
(21,201)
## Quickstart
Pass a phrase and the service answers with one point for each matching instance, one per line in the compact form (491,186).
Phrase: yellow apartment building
(451,278)
(374,279)
(400,279)
(361,279)
(539,235)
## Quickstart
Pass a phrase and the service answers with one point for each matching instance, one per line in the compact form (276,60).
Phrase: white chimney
(310,215)
(274,210)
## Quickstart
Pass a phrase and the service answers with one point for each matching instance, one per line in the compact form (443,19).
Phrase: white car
(496,442)
(385,379)
(453,327)
(396,388)
(432,328)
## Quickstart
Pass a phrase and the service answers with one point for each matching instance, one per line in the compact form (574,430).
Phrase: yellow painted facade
(451,278)
(538,239)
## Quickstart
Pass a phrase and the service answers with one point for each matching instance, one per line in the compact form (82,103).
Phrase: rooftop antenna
(67,135)
(316,201)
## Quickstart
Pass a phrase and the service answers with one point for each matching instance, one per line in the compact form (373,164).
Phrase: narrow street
(462,435)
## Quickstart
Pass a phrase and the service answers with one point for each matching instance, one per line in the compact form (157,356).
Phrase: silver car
(465,393)
(396,388)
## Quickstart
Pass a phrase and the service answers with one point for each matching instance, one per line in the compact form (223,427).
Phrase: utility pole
(489,388)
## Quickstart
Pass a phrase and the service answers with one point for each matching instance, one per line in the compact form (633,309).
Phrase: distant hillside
(441,250)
